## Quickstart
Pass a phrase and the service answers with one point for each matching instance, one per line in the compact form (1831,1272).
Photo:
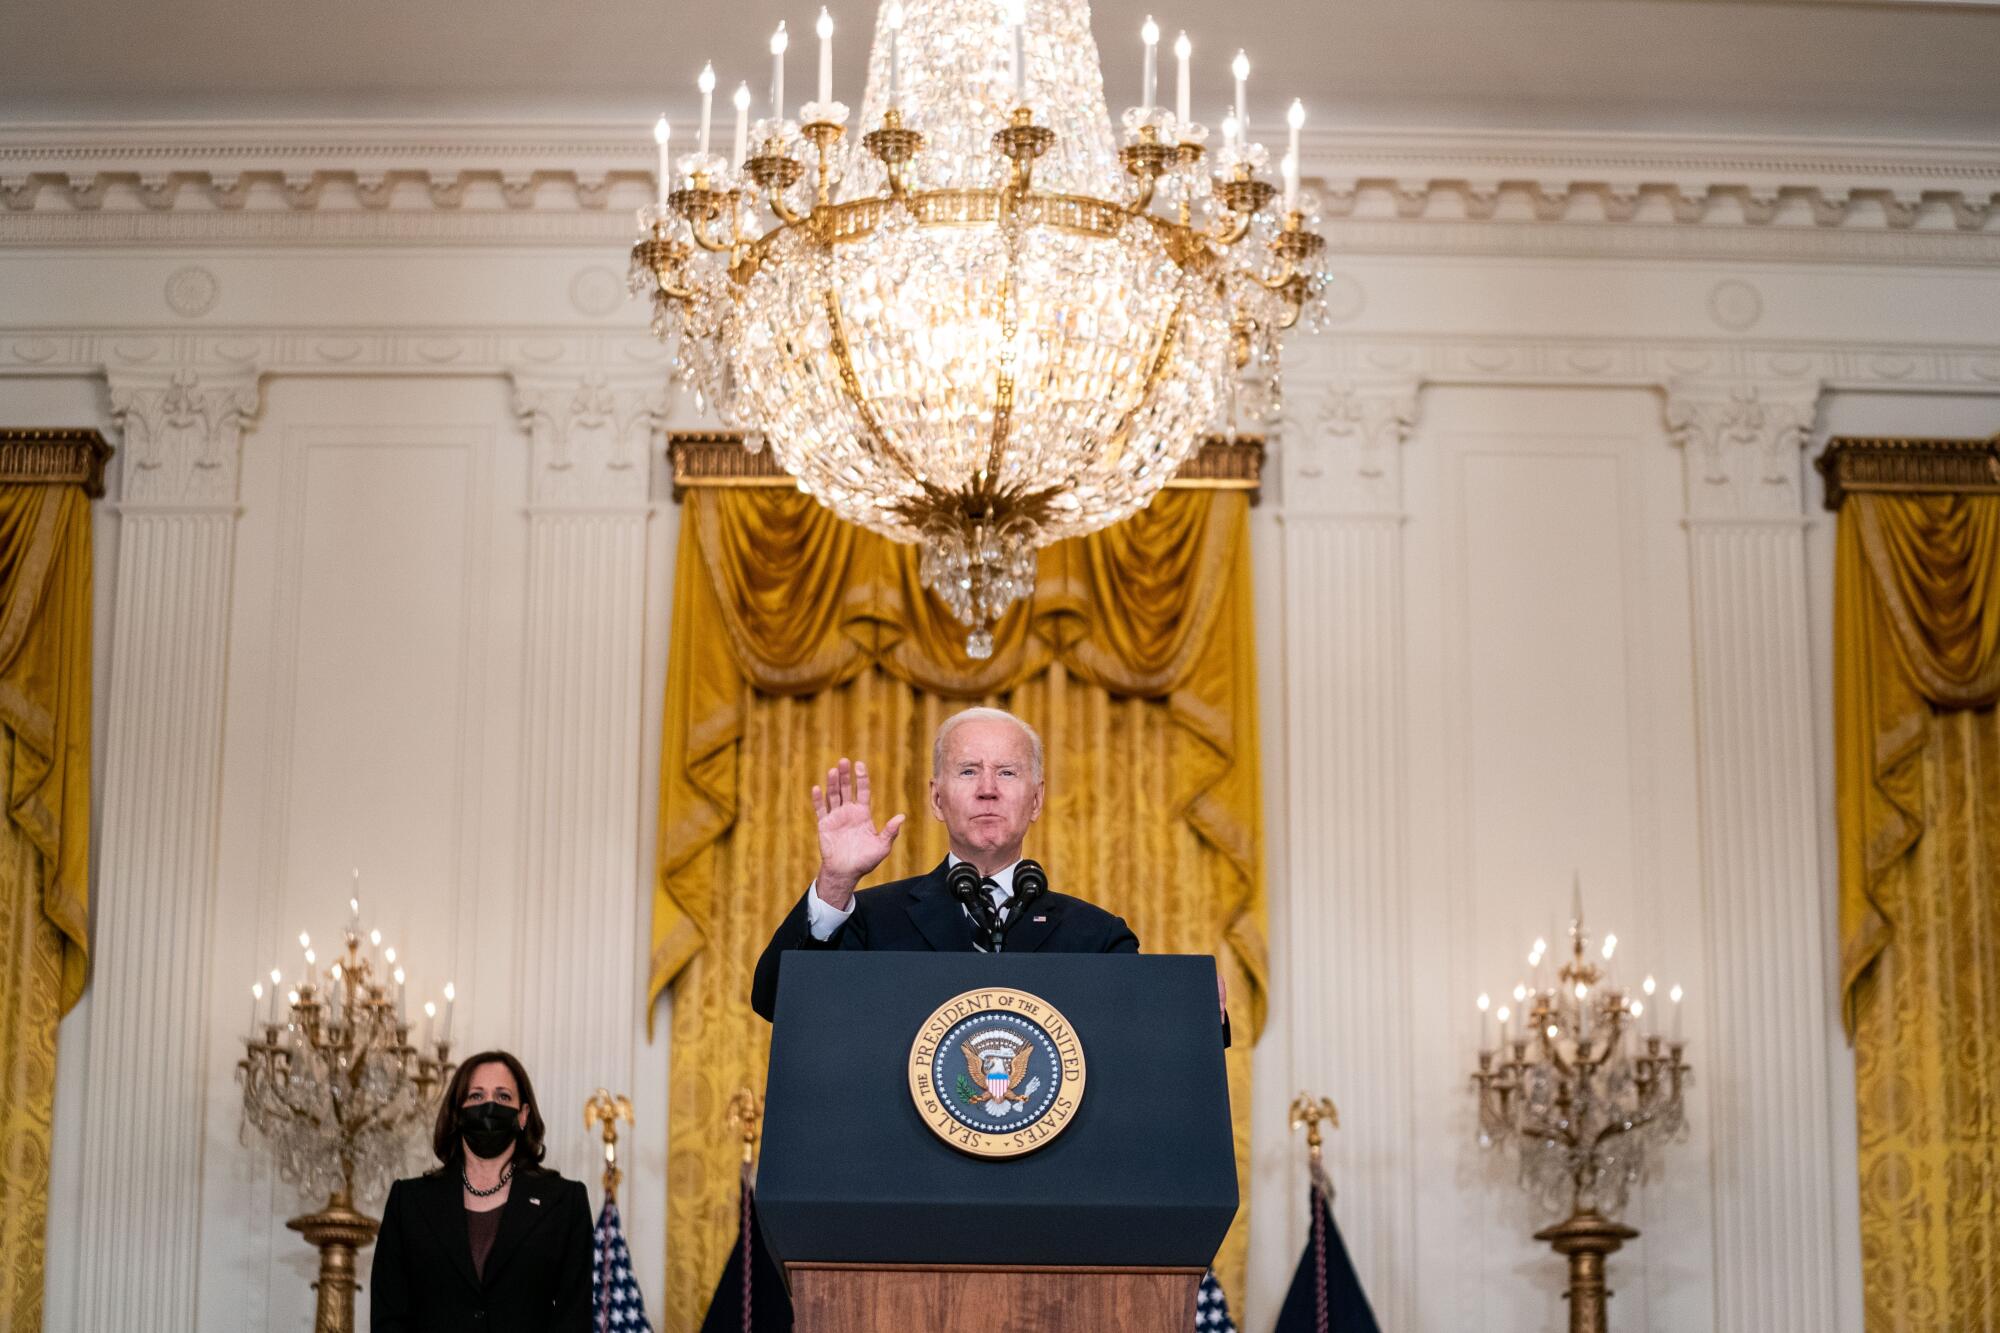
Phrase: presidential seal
(996,1072)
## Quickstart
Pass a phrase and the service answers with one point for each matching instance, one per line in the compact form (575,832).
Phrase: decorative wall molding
(1743,446)
(1346,803)
(183,431)
(153,353)
(146,182)
(1347,440)
(1854,465)
(1768,1093)
(140,1208)
(590,437)
(710,458)
(54,457)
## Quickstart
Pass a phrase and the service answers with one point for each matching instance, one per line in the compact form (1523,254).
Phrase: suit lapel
(444,1207)
(937,915)
(529,1202)
(1032,930)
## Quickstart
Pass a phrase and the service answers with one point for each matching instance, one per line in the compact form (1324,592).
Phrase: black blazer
(920,913)
(537,1275)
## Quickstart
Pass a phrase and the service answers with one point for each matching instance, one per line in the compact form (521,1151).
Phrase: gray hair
(951,724)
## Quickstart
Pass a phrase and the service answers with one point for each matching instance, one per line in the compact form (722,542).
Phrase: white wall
(1542,587)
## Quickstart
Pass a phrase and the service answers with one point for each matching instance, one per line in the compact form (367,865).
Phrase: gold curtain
(797,639)
(44,849)
(1917,673)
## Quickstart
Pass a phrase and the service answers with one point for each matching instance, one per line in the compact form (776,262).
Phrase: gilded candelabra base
(1587,1239)
(338,1230)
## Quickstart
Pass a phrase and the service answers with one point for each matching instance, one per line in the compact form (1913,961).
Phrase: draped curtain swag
(1917,674)
(45,626)
(798,638)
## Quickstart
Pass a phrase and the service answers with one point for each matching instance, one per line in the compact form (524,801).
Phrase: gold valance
(54,456)
(1881,465)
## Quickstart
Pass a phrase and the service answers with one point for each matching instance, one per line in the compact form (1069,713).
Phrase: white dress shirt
(822,918)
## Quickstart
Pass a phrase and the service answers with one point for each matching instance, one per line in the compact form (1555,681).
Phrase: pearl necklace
(506,1174)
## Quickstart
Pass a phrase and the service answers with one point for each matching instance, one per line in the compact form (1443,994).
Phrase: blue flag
(1211,1307)
(614,1296)
(1326,1295)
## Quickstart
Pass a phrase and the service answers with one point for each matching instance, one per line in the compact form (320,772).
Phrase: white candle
(894,18)
(706,82)
(256,1003)
(1230,130)
(354,904)
(1240,67)
(277,979)
(1150,35)
(742,141)
(1506,1026)
(430,1015)
(1296,118)
(661,132)
(401,995)
(779,41)
(1017,19)
(450,1002)
(1485,1002)
(1182,50)
(1648,986)
(825,29)
(1675,996)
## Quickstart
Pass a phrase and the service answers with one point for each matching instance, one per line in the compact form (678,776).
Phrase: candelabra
(1585,1090)
(340,1093)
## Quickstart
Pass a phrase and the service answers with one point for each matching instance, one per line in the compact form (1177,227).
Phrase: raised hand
(849,843)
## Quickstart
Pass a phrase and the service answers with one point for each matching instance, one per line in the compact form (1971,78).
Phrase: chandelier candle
(1240,67)
(1150,35)
(707,85)
(825,30)
(1183,94)
(979,324)
(661,133)
(740,145)
(779,41)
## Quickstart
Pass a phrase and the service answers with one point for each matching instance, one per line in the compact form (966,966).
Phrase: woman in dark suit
(489,1242)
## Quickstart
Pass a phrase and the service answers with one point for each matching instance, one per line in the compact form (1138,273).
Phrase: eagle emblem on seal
(997,1061)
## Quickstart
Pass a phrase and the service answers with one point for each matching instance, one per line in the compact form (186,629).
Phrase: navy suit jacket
(920,913)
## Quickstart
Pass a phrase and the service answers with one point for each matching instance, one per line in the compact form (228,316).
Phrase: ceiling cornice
(553,183)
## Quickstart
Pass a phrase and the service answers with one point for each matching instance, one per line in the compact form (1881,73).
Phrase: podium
(999,1218)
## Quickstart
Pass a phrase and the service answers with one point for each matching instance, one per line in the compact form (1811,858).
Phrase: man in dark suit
(986,788)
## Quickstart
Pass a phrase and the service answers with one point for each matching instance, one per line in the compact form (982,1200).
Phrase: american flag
(1211,1307)
(614,1296)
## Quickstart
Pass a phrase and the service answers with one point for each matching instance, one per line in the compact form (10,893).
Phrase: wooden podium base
(865,1298)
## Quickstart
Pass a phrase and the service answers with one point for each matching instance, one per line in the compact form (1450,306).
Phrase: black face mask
(488,1127)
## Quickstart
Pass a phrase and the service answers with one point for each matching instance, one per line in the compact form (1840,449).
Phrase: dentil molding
(380,182)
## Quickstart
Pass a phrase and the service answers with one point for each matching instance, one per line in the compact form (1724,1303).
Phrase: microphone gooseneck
(968,887)
(1030,883)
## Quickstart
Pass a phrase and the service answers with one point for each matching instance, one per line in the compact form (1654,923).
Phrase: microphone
(967,887)
(1030,883)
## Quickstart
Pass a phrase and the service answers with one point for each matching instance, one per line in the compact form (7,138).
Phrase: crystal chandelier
(1584,1089)
(342,1091)
(991,324)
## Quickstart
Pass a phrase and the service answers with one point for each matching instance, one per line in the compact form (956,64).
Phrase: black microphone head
(1030,882)
(963,881)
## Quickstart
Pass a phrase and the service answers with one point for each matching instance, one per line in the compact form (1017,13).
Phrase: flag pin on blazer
(532,1199)
(1041,918)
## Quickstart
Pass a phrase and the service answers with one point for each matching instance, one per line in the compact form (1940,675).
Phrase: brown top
(481,1229)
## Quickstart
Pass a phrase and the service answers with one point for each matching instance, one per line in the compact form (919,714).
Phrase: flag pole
(607,1110)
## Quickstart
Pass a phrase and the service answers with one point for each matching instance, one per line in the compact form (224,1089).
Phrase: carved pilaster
(1346,761)
(140,1208)
(590,437)
(591,451)
(1343,447)
(183,432)
(1768,1094)
(1743,445)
